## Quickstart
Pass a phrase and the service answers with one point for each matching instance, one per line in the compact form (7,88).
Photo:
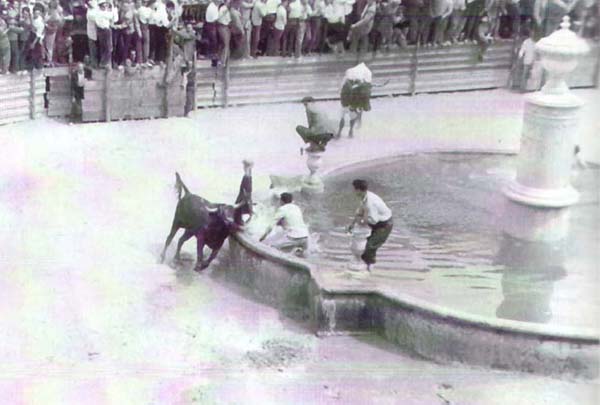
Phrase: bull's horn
(212,210)
(238,205)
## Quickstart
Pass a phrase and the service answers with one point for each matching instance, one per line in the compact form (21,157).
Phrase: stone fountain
(541,192)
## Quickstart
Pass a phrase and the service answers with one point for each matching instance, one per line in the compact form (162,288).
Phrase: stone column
(541,192)
(313,183)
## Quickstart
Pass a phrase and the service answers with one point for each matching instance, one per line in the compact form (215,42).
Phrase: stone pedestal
(313,183)
(542,190)
(357,247)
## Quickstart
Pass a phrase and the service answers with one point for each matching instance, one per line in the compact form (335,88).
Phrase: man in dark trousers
(245,194)
(377,215)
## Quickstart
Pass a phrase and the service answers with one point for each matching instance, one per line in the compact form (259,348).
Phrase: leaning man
(377,215)
(289,217)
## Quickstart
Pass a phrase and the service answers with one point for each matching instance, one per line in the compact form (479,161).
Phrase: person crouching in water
(377,215)
(289,217)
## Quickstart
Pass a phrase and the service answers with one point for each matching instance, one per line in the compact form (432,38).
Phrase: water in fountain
(448,244)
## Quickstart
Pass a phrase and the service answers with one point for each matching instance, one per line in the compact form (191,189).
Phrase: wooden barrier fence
(21,97)
(117,95)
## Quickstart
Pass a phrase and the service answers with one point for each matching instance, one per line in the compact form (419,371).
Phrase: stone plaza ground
(88,316)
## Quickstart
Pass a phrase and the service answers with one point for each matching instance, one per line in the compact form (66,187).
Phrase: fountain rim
(536,330)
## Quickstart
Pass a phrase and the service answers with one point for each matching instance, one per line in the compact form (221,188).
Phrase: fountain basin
(507,323)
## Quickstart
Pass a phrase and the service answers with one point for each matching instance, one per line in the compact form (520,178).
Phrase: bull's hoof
(199,268)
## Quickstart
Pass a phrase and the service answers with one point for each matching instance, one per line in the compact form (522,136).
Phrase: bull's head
(225,214)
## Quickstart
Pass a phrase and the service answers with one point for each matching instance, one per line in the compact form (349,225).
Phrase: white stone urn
(313,182)
(357,247)
(559,53)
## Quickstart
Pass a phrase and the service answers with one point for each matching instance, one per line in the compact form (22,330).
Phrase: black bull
(210,223)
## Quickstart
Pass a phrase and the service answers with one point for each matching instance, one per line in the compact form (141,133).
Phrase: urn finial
(559,52)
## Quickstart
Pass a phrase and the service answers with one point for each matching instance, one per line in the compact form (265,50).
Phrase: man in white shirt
(289,217)
(274,40)
(209,30)
(258,12)
(268,26)
(159,23)
(527,55)
(335,28)
(377,215)
(224,32)
(104,18)
(292,28)
(246,11)
(92,36)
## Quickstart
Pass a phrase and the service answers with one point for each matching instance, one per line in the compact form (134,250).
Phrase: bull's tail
(180,187)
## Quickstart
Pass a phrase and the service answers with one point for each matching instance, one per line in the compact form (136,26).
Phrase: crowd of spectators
(37,33)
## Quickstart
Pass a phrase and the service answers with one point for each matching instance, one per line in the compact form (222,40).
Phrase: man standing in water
(377,215)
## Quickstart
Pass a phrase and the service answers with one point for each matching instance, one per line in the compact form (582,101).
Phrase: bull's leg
(199,251)
(174,229)
(187,234)
(212,256)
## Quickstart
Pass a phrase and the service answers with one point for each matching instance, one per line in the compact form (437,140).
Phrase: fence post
(106,95)
(225,82)
(414,68)
(32,94)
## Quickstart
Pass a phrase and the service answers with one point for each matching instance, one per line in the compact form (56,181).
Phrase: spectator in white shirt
(304,33)
(258,12)
(335,29)
(315,22)
(457,20)
(359,31)
(246,10)
(142,16)
(92,36)
(274,41)
(104,18)
(527,58)
(223,30)
(209,30)
(378,217)
(292,28)
(159,24)
(268,27)
(289,217)
(236,29)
